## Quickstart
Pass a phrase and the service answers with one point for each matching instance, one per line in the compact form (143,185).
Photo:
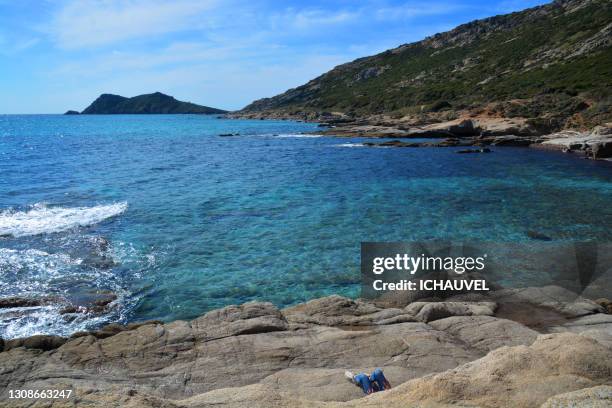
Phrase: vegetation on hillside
(551,63)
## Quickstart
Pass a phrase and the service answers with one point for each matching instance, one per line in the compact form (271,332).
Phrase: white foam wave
(36,273)
(31,271)
(25,322)
(350,145)
(298,136)
(43,220)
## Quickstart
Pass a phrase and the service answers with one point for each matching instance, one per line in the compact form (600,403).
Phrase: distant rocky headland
(155,103)
(503,80)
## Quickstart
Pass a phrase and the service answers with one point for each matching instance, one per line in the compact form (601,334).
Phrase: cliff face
(145,104)
(551,63)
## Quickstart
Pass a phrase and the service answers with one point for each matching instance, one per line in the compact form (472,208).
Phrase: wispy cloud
(11,46)
(413,10)
(112,61)
(312,18)
(99,22)
(58,55)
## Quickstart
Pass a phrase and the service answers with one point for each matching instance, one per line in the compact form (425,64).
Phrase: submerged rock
(20,302)
(482,150)
(37,342)
(23,301)
(538,236)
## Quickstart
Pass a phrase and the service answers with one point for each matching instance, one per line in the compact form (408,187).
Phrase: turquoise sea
(177,220)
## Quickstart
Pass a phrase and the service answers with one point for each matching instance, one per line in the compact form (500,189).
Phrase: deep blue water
(193,221)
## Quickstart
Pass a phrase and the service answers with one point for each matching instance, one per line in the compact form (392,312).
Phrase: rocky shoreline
(513,347)
(468,130)
(594,144)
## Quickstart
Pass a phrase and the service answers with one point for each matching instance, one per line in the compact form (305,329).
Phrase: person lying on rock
(369,384)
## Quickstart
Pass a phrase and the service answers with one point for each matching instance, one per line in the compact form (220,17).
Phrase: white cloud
(100,22)
(310,18)
(414,10)
(185,54)
(223,54)
(224,85)
(11,46)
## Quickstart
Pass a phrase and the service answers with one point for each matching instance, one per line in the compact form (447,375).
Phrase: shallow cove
(268,214)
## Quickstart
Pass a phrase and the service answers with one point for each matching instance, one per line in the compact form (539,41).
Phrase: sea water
(176,220)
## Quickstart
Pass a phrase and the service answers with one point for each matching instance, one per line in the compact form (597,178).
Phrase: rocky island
(143,104)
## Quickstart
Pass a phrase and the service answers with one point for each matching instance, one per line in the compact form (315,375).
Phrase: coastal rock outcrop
(596,145)
(255,355)
(429,311)
(340,311)
(36,342)
(554,298)
(478,132)
(19,301)
(556,369)
(476,331)
(519,376)
(594,397)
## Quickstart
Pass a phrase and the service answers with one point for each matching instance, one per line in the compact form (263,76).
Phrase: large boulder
(594,397)
(598,321)
(602,336)
(600,149)
(22,301)
(486,333)
(466,127)
(340,311)
(249,318)
(429,311)
(520,376)
(596,145)
(555,298)
(38,342)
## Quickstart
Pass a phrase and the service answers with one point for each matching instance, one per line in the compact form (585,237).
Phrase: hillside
(551,64)
(144,104)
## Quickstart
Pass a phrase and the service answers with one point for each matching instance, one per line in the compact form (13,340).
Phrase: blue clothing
(372,383)
(379,379)
(364,381)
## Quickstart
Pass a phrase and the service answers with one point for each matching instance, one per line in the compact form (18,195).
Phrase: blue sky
(59,55)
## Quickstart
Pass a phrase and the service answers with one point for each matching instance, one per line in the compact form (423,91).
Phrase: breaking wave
(59,280)
(298,136)
(350,145)
(30,271)
(41,219)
